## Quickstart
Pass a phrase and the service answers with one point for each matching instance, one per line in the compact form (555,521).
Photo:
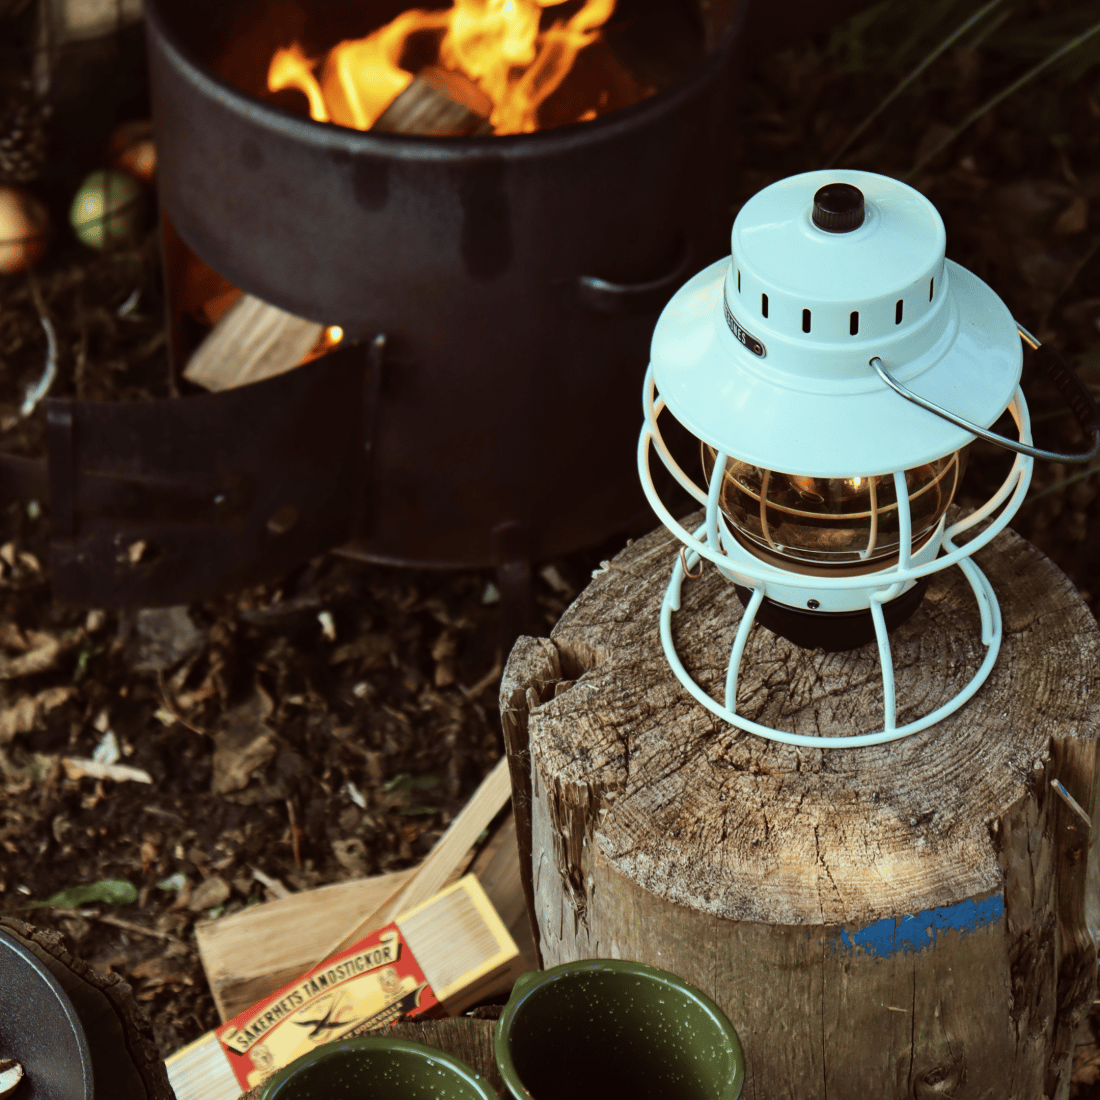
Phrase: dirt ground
(331,724)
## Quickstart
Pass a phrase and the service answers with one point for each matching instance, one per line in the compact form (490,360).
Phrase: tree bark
(910,920)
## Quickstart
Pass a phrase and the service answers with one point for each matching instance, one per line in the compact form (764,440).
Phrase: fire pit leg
(511,544)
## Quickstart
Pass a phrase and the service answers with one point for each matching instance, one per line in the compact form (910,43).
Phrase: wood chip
(253,341)
(77,767)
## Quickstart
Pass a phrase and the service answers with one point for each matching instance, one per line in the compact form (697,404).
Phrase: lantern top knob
(838,208)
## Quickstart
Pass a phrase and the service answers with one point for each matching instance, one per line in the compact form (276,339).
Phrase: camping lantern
(834,369)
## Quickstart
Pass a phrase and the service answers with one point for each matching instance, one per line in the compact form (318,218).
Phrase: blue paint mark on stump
(915,932)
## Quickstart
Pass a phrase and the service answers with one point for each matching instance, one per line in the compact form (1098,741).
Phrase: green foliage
(107,891)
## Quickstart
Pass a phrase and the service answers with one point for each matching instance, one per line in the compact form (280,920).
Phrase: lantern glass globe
(835,524)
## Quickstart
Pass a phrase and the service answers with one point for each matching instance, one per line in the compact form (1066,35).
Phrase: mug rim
(273,1086)
(530,983)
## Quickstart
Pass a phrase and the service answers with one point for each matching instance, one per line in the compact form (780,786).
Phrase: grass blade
(927,60)
(1015,86)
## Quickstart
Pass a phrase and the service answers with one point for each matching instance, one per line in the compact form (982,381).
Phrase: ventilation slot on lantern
(898,311)
(853,323)
(764,304)
(738,280)
(805,320)
(931,287)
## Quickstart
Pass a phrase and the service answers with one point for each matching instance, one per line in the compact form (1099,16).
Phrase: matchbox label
(375,982)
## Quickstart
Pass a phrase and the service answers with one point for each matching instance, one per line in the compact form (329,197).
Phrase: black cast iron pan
(39,1028)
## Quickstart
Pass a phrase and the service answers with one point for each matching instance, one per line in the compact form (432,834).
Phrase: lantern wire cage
(712,541)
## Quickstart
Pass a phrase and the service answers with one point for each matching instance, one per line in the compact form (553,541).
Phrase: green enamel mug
(377,1068)
(605,1028)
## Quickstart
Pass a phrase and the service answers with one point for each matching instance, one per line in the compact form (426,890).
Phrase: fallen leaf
(372,649)
(243,742)
(107,891)
(351,854)
(1074,219)
(160,970)
(158,638)
(26,713)
(149,853)
(20,717)
(43,657)
(208,894)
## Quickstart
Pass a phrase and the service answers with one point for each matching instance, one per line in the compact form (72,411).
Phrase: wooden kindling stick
(257,340)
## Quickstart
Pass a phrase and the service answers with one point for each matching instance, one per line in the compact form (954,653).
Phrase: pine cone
(22,137)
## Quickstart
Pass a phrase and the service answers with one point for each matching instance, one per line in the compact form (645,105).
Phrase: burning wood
(253,341)
(500,46)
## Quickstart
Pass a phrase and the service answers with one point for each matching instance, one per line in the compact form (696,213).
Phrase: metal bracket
(165,502)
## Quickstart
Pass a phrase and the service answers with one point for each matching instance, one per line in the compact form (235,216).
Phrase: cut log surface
(907,920)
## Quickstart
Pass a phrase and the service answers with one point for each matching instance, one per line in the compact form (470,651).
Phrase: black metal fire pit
(497,295)
(516,279)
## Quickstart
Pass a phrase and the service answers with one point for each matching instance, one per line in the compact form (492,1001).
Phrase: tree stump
(911,920)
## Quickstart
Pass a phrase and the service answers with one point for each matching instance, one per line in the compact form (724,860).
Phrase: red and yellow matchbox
(375,982)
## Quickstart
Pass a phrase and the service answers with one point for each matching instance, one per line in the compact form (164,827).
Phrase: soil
(331,724)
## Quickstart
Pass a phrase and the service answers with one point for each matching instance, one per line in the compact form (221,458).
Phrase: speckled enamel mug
(377,1068)
(602,1028)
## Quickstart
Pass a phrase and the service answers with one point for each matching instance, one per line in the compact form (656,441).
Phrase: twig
(950,40)
(294,834)
(272,884)
(989,104)
(172,709)
(128,926)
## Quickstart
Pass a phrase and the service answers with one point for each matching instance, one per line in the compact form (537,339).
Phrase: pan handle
(605,296)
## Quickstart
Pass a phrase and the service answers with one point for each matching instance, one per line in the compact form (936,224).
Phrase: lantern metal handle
(1054,366)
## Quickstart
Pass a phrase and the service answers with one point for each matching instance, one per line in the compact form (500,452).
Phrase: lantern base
(832,631)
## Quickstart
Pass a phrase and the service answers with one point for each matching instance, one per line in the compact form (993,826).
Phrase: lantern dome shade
(764,389)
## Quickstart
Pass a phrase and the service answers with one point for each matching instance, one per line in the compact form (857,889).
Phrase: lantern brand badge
(375,982)
(751,342)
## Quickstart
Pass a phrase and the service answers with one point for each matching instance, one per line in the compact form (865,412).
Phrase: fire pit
(506,284)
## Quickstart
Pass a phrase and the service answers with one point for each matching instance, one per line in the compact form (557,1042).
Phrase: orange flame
(496,43)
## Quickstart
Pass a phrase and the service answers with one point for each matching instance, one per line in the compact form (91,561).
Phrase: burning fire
(498,44)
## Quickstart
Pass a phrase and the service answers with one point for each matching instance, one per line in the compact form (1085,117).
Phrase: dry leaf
(372,649)
(162,637)
(1074,219)
(160,970)
(20,717)
(243,742)
(351,854)
(214,891)
(43,657)
(27,713)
